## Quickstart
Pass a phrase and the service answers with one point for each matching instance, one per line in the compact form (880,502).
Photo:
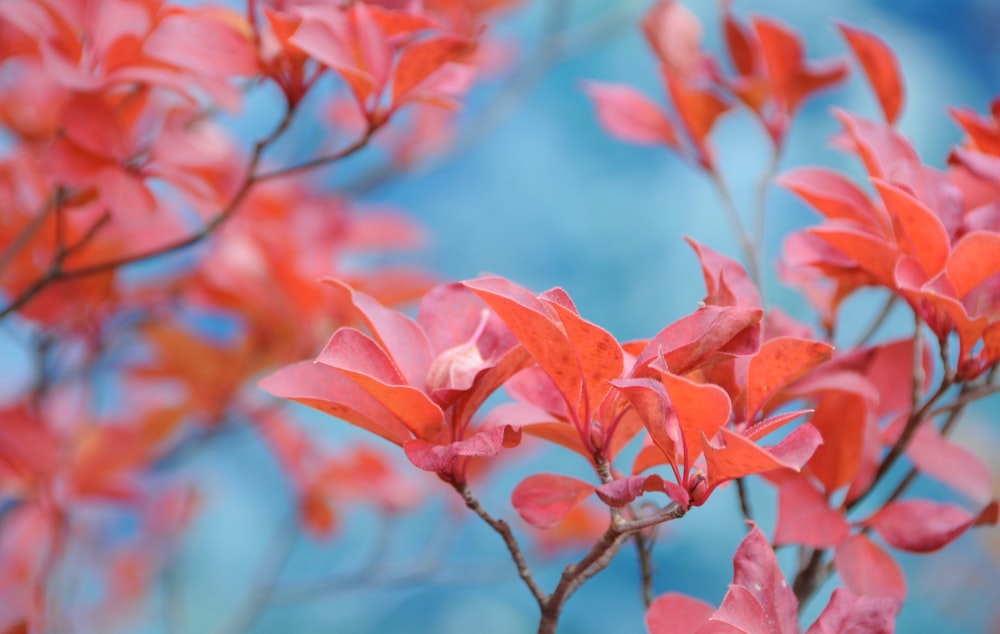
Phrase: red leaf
(726,281)
(772,423)
(701,411)
(841,418)
(737,456)
(760,600)
(925,236)
(743,49)
(779,362)
(624,490)
(359,358)
(674,613)
(544,499)
(974,259)
(869,571)
(871,253)
(418,61)
(881,67)
(847,613)
(835,196)
(805,516)
(923,526)
(630,116)
(578,356)
(599,357)
(650,400)
(325,36)
(441,458)
(698,110)
(792,80)
(692,340)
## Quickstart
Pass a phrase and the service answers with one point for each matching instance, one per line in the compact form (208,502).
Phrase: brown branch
(505,532)
(744,497)
(597,559)
(37,222)
(644,550)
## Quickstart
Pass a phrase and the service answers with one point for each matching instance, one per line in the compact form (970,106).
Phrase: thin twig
(760,212)
(272,563)
(503,529)
(23,238)
(880,318)
(738,227)
(744,497)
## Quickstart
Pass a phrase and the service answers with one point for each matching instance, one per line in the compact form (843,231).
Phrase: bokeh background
(536,192)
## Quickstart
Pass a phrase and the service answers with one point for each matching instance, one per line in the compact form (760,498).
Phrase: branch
(503,529)
(880,318)
(270,567)
(736,224)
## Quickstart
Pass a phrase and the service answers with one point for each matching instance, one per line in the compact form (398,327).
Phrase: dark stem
(503,529)
(744,497)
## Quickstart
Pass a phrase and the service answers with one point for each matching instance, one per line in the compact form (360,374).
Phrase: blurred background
(535,191)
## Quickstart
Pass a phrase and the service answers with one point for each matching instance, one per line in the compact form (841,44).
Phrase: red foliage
(115,154)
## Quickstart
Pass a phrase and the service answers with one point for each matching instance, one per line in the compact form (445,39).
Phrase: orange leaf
(698,111)
(835,196)
(841,418)
(737,456)
(881,67)
(779,362)
(700,409)
(974,258)
(792,80)
(925,235)
(418,61)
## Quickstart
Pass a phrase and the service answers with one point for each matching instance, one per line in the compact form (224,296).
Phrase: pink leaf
(692,340)
(760,598)
(624,490)
(674,613)
(399,336)
(630,116)
(325,388)
(441,458)
(869,571)
(726,281)
(544,499)
(923,526)
(805,516)
(847,613)
(952,464)
(674,32)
